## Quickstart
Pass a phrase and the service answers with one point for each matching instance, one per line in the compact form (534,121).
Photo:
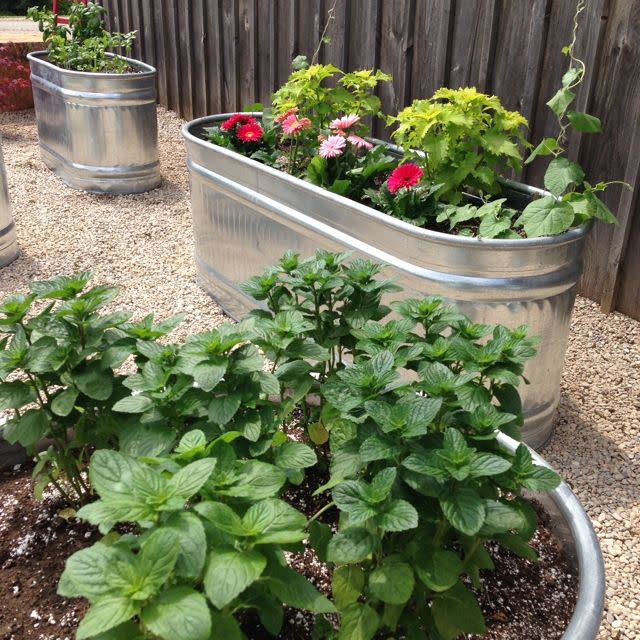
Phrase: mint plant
(82,44)
(399,418)
(209,543)
(58,373)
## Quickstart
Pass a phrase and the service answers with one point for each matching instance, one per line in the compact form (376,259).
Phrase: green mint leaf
(179,613)
(84,573)
(94,382)
(439,570)
(347,585)
(62,405)
(359,622)
(190,479)
(223,408)
(158,557)
(392,582)
(546,217)
(28,428)
(456,611)
(320,535)
(222,516)
(583,122)
(133,404)
(230,572)
(208,375)
(397,515)
(295,590)
(501,518)
(274,522)
(193,543)
(560,175)
(488,464)
(295,455)
(105,614)
(351,546)
(15,394)
(541,479)
(227,627)
(464,509)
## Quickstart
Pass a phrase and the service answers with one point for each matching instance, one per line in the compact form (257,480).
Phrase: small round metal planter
(97,131)
(246,215)
(8,243)
(573,529)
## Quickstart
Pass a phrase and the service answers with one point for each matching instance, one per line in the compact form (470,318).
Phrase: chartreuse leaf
(347,585)
(392,582)
(230,572)
(358,622)
(180,613)
(105,614)
(456,611)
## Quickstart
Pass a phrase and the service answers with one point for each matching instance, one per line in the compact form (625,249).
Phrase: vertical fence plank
(309,26)
(149,48)
(396,43)
(213,56)
(172,54)
(266,69)
(247,53)
(473,43)
(362,45)
(160,46)
(335,50)
(433,26)
(136,24)
(229,37)
(199,59)
(286,34)
(186,59)
(616,100)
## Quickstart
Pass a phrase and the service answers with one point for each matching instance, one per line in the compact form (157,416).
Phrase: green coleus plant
(82,44)
(59,374)
(395,418)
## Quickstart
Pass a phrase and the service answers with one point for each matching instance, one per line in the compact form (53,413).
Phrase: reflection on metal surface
(246,215)
(97,131)
(573,528)
(8,243)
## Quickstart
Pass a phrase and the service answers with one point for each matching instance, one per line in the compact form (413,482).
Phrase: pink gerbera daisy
(405,176)
(359,143)
(332,147)
(250,132)
(236,119)
(292,125)
(346,122)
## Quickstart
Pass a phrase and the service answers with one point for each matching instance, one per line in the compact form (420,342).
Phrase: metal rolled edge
(147,69)
(572,235)
(293,218)
(586,618)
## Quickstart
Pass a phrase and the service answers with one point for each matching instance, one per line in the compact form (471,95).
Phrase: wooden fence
(215,56)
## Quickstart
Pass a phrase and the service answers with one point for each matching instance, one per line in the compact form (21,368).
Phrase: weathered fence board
(219,55)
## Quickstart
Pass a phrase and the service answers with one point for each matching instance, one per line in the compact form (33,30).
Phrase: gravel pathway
(144,244)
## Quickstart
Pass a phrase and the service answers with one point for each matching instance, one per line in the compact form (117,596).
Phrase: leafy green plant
(209,543)
(58,372)
(573,201)
(399,419)
(461,138)
(82,44)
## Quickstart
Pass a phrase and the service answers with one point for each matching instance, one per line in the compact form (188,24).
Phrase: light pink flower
(332,147)
(346,122)
(292,126)
(359,143)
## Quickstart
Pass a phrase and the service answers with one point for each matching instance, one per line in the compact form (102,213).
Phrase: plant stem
(330,18)
(318,513)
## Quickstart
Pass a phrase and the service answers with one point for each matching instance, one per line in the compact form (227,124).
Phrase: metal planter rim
(585,621)
(438,237)
(146,69)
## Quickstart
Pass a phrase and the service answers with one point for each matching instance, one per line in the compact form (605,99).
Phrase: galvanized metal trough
(246,215)
(573,529)
(97,131)
(8,243)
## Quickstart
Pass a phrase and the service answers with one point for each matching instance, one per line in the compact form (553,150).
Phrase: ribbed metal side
(8,243)
(97,131)
(574,530)
(246,215)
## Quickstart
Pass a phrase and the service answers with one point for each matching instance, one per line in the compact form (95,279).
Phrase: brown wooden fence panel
(219,55)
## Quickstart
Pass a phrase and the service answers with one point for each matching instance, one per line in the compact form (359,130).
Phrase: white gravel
(144,244)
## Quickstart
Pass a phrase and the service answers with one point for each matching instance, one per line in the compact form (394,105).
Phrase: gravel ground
(144,244)
(19,30)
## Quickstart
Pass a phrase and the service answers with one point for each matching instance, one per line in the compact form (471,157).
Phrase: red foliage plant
(15,85)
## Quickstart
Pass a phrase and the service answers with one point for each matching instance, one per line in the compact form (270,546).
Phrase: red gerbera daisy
(236,119)
(250,132)
(406,175)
